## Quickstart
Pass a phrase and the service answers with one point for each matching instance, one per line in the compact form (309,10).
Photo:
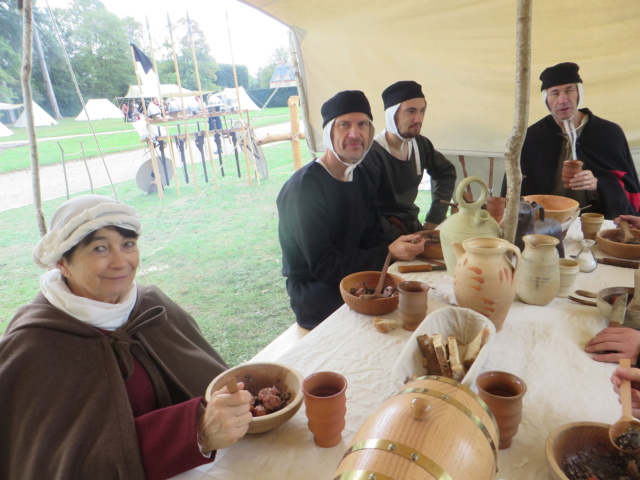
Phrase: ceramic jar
(484,278)
(495,207)
(539,277)
(470,221)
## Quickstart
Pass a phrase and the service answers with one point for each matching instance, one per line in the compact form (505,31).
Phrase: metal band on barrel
(404,451)
(362,475)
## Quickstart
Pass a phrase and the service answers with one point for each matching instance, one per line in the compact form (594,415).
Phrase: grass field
(216,253)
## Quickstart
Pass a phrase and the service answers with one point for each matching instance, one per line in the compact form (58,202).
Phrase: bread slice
(473,347)
(429,355)
(457,370)
(441,354)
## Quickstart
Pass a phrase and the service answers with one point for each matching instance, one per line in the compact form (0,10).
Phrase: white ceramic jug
(539,277)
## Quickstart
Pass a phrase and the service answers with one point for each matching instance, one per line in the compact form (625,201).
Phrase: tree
(10,48)
(225,76)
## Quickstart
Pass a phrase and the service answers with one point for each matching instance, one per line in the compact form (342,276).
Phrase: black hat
(401,91)
(560,74)
(341,103)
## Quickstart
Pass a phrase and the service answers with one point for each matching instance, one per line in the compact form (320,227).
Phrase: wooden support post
(293,103)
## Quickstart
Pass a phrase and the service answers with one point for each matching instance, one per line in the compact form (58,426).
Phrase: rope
(75,83)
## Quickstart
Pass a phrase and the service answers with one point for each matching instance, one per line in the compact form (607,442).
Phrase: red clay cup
(569,169)
(412,304)
(495,207)
(325,402)
(503,392)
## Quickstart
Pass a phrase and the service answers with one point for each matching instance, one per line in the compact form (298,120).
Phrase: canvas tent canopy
(463,53)
(230,97)
(4,131)
(98,109)
(150,91)
(40,118)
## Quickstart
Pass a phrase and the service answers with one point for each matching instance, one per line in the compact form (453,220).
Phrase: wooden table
(542,345)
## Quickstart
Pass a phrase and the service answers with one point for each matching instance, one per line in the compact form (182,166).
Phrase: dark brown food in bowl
(610,242)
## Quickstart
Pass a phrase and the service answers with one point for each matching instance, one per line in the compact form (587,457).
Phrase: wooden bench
(281,344)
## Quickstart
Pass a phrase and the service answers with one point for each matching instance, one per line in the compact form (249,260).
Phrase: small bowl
(257,376)
(569,439)
(560,208)
(375,306)
(431,250)
(605,300)
(609,242)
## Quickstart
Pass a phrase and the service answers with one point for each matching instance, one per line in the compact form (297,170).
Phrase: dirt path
(16,188)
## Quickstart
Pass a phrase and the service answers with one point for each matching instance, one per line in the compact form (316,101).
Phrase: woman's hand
(633,375)
(225,419)
(407,247)
(633,221)
(623,342)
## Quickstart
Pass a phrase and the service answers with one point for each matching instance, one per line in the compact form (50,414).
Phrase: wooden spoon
(586,293)
(625,433)
(628,236)
(634,304)
(383,275)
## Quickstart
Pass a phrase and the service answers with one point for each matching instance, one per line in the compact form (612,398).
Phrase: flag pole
(204,116)
(165,123)
(184,111)
(157,180)
(235,81)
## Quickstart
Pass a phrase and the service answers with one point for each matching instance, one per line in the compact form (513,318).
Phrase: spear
(235,80)
(184,113)
(206,130)
(165,123)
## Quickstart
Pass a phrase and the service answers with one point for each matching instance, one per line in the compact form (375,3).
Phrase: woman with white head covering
(102,378)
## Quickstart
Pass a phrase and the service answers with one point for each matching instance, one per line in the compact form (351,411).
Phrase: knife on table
(616,262)
(420,268)
(616,319)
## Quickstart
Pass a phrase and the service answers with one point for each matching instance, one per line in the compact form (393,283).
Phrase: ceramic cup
(325,401)
(503,392)
(590,224)
(496,206)
(412,303)
(569,169)
(568,272)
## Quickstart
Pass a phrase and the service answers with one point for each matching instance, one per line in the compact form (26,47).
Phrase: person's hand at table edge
(614,343)
(632,220)
(407,247)
(225,419)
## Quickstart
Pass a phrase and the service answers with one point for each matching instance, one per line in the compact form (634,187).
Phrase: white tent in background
(149,90)
(40,118)
(4,131)
(231,99)
(97,109)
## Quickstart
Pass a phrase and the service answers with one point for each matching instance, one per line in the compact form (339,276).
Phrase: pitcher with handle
(484,279)
(470,221)
(539,279)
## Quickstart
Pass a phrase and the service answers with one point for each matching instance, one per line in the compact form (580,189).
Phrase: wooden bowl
(567,440)
(606,240)
(560,208)
(259,375)
(431,250)
(375,306)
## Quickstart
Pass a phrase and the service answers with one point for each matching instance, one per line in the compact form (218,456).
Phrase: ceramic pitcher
(470,221)
(484,278)
(539,277)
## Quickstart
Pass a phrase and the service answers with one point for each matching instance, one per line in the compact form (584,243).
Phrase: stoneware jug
(539,277)
(484,279)
(527,225)
(470,221)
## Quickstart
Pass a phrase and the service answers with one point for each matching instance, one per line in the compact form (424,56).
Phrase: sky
(254,35)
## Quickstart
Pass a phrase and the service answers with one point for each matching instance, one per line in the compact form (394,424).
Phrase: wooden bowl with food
(560,208)
(277,391)
(611,242)
(364,283)
(577,448)
(432,245)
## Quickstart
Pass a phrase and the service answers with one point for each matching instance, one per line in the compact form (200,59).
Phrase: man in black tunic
(329,225)
(608,181)
(398,158)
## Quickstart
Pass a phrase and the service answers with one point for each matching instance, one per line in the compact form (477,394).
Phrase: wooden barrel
(434,428)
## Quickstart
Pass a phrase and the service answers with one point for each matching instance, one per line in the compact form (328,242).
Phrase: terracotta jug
(539,277)
(484,277)
(470,221)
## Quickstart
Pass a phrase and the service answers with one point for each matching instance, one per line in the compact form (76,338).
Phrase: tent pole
(521,118)
(294,50)
(26,9)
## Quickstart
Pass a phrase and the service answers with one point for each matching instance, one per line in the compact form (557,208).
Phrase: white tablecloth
(542,345)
